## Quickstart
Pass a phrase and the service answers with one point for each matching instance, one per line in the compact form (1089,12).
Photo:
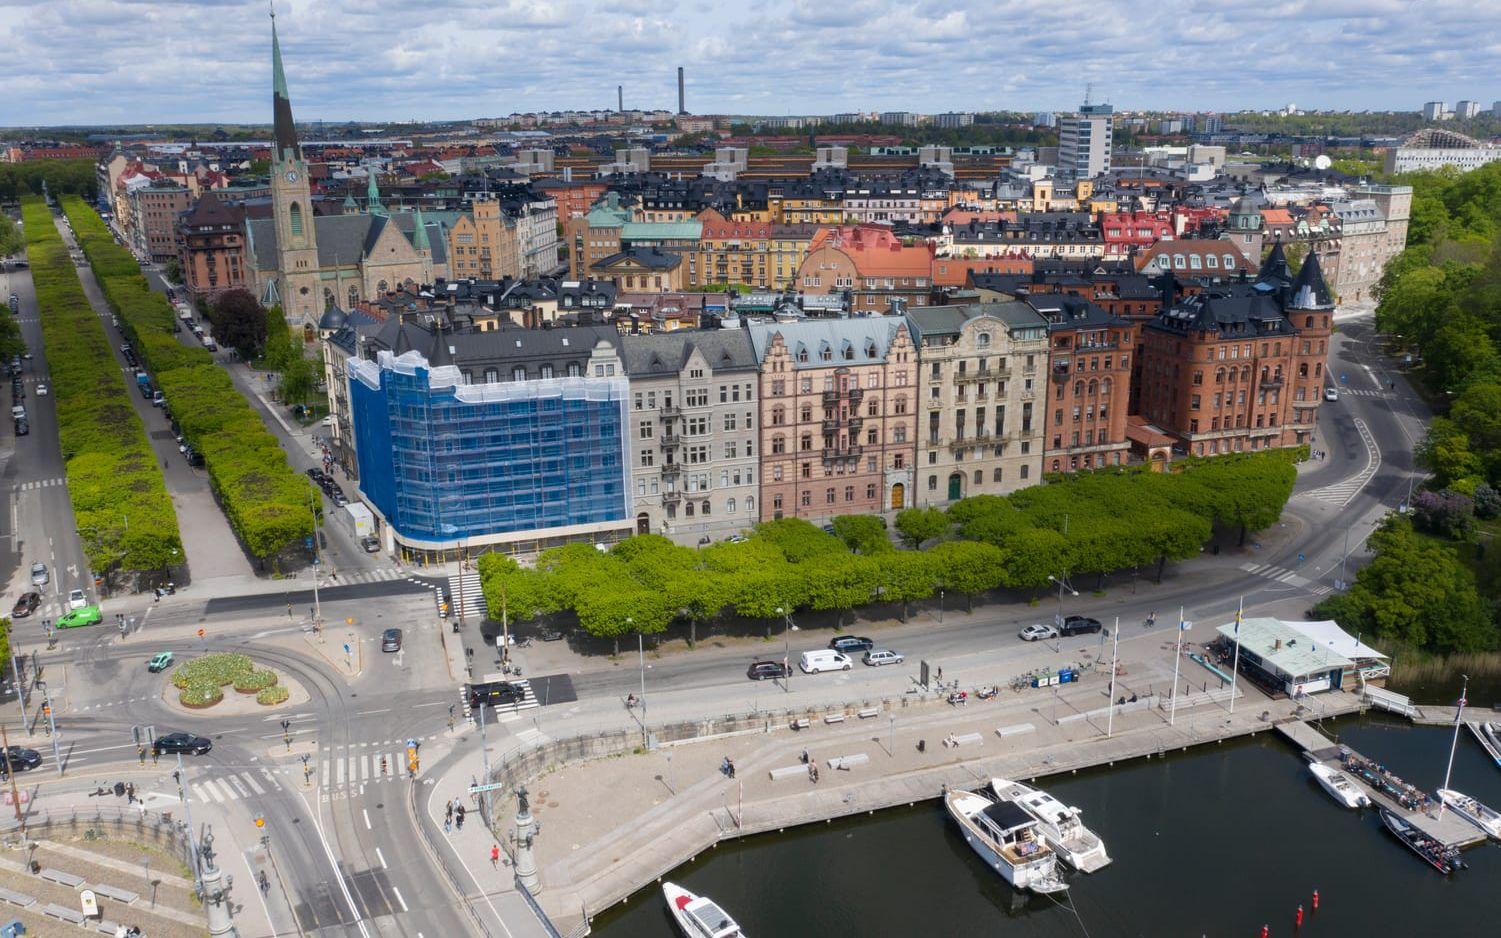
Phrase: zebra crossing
(1284,575)
(464,589)
(379,575)
(1365,392)
(1343,492)
(233,786)
(508,713)
(41,484)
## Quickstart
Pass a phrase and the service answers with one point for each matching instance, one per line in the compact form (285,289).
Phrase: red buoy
(1266,931)
(1315,900)
(1298,921)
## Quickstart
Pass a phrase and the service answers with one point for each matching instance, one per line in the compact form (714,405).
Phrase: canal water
(1217,841)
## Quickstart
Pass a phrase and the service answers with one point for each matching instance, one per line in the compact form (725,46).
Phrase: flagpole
(1177,658)
(1115,649)
(1459,714)
(1235,665)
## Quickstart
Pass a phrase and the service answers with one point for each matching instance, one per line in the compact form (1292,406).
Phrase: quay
(1451,829)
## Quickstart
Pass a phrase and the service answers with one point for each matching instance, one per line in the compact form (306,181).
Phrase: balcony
(856,396)
(935,403)
(670,440)
(670,410)
(831,397)
(1275,381)
(854,422)
(672,496)
(851,451)
(671,470)
(831,426)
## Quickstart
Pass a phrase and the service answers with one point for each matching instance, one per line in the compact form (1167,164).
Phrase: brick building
(1089,367)
(212,248)
(869,261)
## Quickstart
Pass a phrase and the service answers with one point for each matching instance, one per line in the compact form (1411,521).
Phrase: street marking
(341,771)
(399,899)
(326,768)
(366,815)
(1343,492)
(199,793)
(250,780)
(382,858)
(338,873)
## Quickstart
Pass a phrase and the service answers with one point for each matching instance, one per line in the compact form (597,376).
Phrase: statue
(525,808)
(206,847)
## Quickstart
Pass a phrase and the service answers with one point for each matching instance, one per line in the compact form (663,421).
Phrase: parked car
(39,574)
(317,475)
(26,605)
(41,390)
(813,662)
(851,644)
(495,694)
(371,543)
(879,656)
(1037,633)
(23,428)
(77,599)
(19,758)
(1079,625)
(88,615)
(551,635)
(390,640)
(1331,393)
(160,662)
(185,743)
(766,670)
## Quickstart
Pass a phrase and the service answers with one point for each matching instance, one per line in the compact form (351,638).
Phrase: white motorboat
(1489,735)
(1059,824)
(1339,786)
(1006,838)
(1486,818)
(699,916)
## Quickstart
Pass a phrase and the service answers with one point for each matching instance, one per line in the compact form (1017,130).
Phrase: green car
(161,662)
(88,615)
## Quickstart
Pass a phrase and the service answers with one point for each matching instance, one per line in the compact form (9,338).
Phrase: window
(296,214)
(983,340)
(648,458)
(517,374)
(646,429)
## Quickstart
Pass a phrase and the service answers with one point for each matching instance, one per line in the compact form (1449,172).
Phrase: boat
(1489,735)
(1059,824)
(1007,839)
(1486,818)
(1339,786)
(699,916)
(1442,858)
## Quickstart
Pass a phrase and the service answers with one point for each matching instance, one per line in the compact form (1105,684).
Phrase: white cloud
(117,61)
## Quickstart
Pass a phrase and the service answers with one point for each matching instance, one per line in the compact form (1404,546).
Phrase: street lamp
(787,627)
(641,657)
(1063,584)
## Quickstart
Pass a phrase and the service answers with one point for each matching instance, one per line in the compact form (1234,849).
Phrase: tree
(173,270)
(1445,452)
(842,585)
(921,524)
(969,567)
(239,322)
(905,577)
(298,380)
(863,534)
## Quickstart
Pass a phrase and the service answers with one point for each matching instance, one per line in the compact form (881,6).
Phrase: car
(159,662)
(23,428)
(1331,393)
(390,640)
(193,457)
(39,574)
(18,412)
(1037,633)
(851,644)
(338,499)
(766,670)
(26,605)
(19,758)
(77,599)
(75,618)
(185,743)
(879,656)
(736,539)
(158,399)
(495,694)
(371,543)
(551,635)
(41,390)
(317,475)
(1079,625)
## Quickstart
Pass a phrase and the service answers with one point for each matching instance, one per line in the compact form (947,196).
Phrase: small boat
(1444,859)
(1007,839)
(1486,818)
(1059,824)
(1489,735)
(1339,786)
(699,916)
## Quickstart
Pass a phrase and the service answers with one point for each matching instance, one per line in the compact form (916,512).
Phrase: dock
(1478,729)
(1452,830)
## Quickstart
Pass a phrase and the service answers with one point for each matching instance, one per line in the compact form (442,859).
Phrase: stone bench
(966,739)
(62,878)
(869,712)
(789,771)
(848,762)
(16,898)
(119,895)
(834,718)
(106,927)
(63,912)
(1015,729)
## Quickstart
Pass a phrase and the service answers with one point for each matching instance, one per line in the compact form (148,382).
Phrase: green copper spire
(372,194)
(283,132)
(419,232)
(278,76)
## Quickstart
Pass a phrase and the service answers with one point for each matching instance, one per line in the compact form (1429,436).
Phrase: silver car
(39,574)
(879,656)
(1036,633)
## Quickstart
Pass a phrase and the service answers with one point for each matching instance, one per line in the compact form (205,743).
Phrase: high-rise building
(1433,111)
(1467,110)
(1084,141)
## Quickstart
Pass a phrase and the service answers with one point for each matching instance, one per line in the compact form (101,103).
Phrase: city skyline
(207,61)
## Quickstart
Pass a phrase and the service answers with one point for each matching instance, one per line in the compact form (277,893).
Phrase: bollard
(1298,919)
(1315,900)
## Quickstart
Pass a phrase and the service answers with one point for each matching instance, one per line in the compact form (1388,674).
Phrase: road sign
(493,786)
(346,648)
(202,632)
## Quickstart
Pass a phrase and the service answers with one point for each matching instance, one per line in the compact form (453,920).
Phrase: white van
(823,659)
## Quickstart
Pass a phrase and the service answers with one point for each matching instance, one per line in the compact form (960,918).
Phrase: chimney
(620,97)
(681,109)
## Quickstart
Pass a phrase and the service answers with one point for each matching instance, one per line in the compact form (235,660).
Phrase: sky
(143,61)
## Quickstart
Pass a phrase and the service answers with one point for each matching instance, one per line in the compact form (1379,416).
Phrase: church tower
(292,203)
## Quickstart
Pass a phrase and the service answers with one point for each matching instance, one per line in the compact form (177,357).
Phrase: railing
(670,410)
(851,451)
(671,439)
(542,919)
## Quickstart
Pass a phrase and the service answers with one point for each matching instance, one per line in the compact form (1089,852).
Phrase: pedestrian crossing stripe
(42,484)
(1343,492)
(1284,575)
(465,589)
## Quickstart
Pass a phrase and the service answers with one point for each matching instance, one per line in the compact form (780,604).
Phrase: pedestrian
(130,792)
(731,764)
(458,818)
(724,767)
(494,854)
(805,757)
(448,824)
(447,809)
(940,674)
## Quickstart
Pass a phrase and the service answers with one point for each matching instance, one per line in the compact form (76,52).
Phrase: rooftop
(1284,648)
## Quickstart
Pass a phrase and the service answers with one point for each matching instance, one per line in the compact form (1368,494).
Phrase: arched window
(328,297)
(1094,388)
(983,340)
(1105,387)
(383,287)
(706,508)
(354,296)
(1308,321)
(1078,388)
(1219,376)
(296,215)
(730,506)
(750,503)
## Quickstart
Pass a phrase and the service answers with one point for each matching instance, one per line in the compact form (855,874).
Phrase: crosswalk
(379,575)
(1341,493)
(1284,575)
(233,786)
(508,713)
(41,484)
(464,590)
(1365,392)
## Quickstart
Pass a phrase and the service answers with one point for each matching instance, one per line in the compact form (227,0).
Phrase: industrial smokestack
(681,109)
(620,98)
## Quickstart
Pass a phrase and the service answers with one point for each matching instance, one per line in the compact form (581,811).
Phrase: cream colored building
(982,377)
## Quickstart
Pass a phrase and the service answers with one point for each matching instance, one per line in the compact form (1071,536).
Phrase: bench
(58,876)
(967,739)
(16,898)
(801,723)
(106,927)
(1015,729)
(63,912)
(848,762)
(834,718)
(119,895)
(869,712)
(789,771)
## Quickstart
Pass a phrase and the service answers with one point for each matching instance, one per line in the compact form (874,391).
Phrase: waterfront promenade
(615,824)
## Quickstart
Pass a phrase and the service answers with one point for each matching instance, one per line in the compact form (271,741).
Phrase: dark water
(1216,841)
(1484,691)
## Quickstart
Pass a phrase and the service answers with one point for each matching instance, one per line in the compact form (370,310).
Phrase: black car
(1079,625)
(185,743)
(26,605)
(766,670)
(20,758)
(317,475)
(495,694)
(22,428)
(851,644)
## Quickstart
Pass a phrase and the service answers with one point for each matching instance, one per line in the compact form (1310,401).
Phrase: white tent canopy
(1330,635)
